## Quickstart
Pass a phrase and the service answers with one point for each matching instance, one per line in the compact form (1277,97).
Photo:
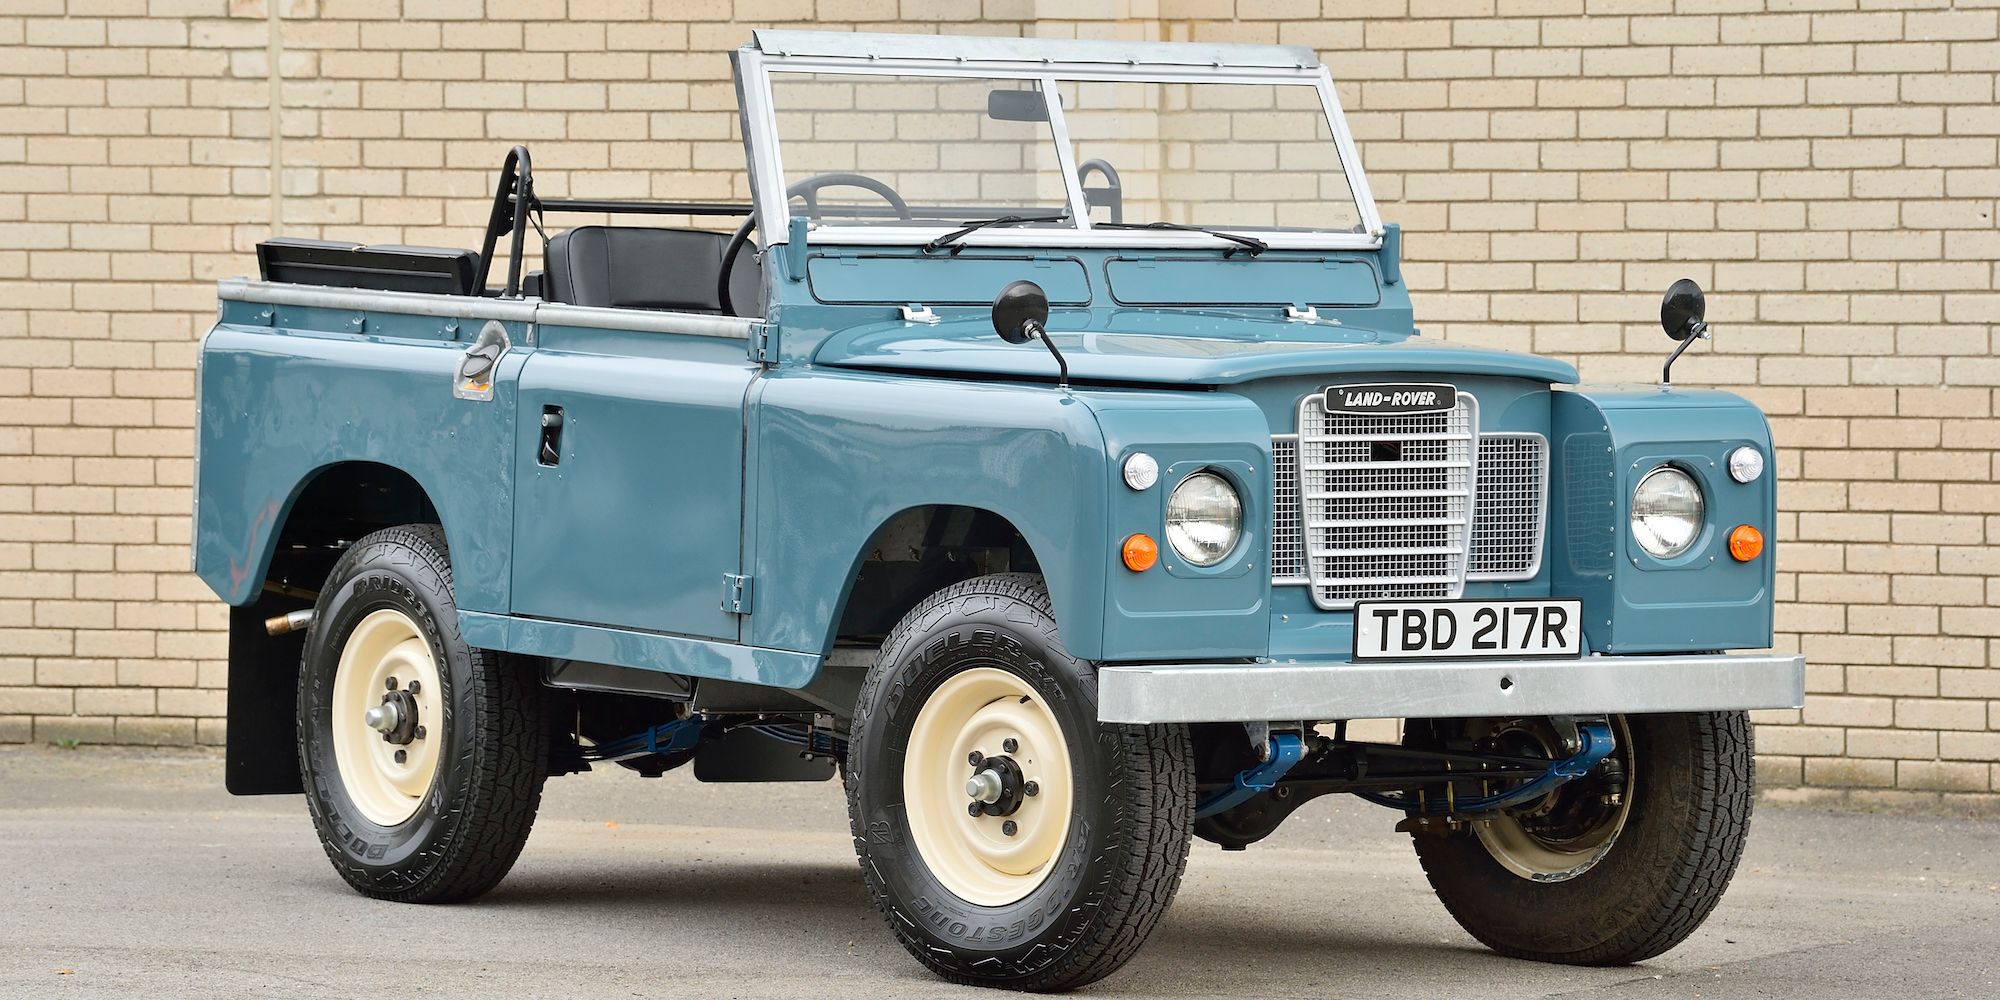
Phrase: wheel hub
(396,717)
(997,786)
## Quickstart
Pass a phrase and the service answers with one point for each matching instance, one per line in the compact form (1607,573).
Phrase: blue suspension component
(1287,749)
(1594,743)
(665,738)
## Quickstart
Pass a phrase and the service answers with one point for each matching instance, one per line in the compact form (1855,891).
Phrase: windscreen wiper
(1251,244)
(972,227)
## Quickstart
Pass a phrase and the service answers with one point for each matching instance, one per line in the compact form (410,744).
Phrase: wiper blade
(1251,244)
(972,227)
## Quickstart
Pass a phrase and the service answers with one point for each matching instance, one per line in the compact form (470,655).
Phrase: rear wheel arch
(330,509)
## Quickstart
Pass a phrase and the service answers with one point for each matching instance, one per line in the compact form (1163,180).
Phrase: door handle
(550,452)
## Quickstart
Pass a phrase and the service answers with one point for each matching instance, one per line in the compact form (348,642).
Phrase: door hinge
(735,594)
(760,342)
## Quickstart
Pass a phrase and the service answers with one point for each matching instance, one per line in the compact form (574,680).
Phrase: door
(629,465)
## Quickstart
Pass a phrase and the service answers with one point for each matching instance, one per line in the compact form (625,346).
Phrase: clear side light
(1141,471)
(1746,464)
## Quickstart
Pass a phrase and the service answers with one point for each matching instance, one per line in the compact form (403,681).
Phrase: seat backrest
(640,267)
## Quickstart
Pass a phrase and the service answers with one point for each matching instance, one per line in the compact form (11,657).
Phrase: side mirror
(1020,312)
(1682,310)
(1681,315)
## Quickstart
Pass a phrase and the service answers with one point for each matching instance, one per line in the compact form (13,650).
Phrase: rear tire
(437,808)
(1626,898)
(1095,852)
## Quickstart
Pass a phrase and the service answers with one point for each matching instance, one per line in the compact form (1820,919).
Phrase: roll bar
(514,199)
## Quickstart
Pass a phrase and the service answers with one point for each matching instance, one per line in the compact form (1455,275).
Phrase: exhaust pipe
(291,622)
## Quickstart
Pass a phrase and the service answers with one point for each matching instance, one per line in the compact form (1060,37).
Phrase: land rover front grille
(1369,506)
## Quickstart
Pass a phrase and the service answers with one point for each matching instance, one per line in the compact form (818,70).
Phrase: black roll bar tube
(510,214)
(514,198)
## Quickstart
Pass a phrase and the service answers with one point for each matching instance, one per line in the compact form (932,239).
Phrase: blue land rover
(1049,452)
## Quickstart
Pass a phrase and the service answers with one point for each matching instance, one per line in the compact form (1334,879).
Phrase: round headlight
(1746,464)
(1204,519)
(1141,471)
(1667,512)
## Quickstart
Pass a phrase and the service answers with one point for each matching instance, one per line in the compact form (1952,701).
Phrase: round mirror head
(1682,310)
(1017,306)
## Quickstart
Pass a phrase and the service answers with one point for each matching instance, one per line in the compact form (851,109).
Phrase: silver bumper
(1321,690)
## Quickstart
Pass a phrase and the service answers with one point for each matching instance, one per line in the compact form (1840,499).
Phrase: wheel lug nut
(419,734)
(1008,828)
(415,686)
(402,756)
(1031,788)
(972,809)
(1010,744)
(974,758)
(392,684)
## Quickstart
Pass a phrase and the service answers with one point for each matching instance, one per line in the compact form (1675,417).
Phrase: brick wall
(1826,167)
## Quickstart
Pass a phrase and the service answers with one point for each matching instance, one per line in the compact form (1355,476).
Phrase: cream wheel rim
(1540,860)
(385,647)
(987,860)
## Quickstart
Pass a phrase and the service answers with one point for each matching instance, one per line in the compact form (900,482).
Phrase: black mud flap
(748,755)
(262,757)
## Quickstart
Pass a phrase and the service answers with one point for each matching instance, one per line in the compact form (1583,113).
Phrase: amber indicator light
(1746,543)
(1141,552)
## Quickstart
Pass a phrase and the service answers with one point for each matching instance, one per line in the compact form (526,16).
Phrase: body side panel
(280,402)
(637,522)
(840,453)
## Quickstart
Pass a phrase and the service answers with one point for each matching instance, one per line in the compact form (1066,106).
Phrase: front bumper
(1319,690)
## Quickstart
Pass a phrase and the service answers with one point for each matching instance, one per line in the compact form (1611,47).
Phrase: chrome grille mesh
(1288,547)
(1405,505)
(1386,501)
(1507,520)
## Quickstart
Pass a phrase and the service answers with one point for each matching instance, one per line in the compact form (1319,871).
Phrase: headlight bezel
(1669,553)
(1177,539)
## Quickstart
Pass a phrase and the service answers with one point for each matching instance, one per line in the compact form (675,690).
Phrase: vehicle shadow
(806,916)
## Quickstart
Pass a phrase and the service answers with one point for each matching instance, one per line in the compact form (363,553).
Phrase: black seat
(638,267)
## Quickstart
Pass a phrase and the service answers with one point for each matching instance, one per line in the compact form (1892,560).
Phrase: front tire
(1630,884)
(423,758)
(1044,888)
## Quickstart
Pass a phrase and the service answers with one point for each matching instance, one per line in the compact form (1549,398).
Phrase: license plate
(1464,630)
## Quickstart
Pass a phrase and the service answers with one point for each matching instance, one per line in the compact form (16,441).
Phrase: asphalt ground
(126,873)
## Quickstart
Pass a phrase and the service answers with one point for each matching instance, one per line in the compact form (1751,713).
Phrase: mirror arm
(1036,329)
(1697,330)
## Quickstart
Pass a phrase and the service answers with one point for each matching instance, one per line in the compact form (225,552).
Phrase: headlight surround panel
(1605,440)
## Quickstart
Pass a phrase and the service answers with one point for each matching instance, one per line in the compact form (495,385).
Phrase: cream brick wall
(1828,168)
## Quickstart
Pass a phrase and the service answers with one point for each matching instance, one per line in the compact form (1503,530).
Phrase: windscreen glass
(882,150)
(1224,155)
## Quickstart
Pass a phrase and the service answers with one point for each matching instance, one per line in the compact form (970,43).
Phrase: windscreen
(885,150)
(1224,155)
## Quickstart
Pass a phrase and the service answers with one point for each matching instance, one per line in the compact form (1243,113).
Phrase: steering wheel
(809,190)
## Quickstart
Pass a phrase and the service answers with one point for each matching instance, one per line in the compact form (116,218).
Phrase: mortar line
(274,48)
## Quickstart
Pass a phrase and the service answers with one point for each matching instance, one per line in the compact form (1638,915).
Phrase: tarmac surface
(126,873)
